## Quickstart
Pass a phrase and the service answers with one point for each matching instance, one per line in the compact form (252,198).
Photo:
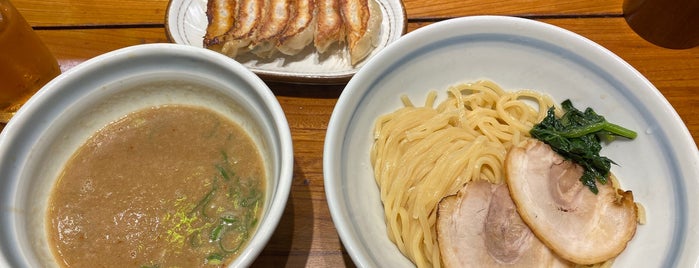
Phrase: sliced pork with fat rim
(564,214)
(480,227)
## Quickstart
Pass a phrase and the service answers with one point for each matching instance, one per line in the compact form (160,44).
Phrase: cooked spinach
(577,136)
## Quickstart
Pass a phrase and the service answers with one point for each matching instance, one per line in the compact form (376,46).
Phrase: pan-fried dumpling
(362,25)
(299,33)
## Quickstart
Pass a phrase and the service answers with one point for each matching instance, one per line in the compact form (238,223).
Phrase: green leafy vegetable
(577,135)
(214,259)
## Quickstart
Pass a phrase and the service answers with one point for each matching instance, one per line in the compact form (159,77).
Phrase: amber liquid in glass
(26,64)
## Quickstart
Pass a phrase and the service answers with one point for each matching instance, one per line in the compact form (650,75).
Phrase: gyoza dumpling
(330,27)
(299,32)
(363,26)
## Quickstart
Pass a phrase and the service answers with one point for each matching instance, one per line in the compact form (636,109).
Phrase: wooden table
(76,30)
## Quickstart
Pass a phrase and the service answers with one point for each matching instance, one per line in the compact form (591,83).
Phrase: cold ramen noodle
(464,184)
(167,186)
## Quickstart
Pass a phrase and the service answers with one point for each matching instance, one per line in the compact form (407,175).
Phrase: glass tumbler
(26,64)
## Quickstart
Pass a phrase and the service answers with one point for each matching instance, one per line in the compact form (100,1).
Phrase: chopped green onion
(217,232)
(237,247)
(225,156)
(224,172)
(205,201)
(214,259)
(229,220)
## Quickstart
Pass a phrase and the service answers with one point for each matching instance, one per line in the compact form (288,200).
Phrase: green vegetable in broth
(577,136)
(214,259)
(229,231)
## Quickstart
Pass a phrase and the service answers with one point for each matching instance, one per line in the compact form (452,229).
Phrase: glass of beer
(667,23)
(26,64)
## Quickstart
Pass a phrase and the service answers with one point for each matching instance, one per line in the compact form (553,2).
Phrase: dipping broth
(167,186)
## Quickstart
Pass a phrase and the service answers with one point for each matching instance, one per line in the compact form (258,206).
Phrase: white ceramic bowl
(38,141)
(661,166)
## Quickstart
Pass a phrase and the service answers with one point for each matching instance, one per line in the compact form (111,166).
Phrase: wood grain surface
(77,30)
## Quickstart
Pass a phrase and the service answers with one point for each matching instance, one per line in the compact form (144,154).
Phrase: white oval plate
(186,24)
(660,166)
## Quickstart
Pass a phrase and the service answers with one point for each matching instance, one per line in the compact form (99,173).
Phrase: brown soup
(162,187)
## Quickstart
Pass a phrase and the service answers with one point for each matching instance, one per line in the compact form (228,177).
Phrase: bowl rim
(22,123)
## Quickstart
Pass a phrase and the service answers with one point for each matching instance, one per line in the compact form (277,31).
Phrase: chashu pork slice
(362,20)
(480,227)
(564,214)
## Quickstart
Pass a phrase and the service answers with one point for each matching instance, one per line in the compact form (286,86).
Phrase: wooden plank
(420,9)
(72,47)
(130,12)
(92,12)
